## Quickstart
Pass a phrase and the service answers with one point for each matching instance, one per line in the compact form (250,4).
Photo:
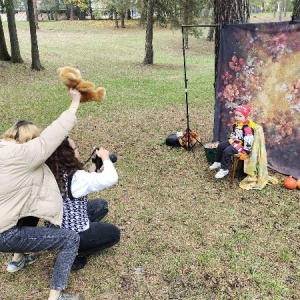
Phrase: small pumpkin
(298,183)
(290,183)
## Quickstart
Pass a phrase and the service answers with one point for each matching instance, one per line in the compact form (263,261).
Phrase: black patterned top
(75,215)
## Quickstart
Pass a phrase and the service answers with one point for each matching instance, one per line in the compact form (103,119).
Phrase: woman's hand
(103,154)
(92,168)
(75,100)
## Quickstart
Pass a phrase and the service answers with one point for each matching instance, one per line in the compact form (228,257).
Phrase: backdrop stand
(188,129)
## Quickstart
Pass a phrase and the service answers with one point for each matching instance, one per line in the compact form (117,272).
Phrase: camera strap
(95,148)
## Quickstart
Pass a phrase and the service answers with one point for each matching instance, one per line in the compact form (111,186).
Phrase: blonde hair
(22,132)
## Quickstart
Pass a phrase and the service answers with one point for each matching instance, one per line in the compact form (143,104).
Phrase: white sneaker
(215,165)
(26,260)
(222,173)
(64,296)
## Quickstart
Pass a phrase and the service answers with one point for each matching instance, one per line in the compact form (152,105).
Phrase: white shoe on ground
(222,173)
(64,296)
(215,165)
(26,260)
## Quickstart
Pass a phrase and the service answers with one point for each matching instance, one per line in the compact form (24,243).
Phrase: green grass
(184,235)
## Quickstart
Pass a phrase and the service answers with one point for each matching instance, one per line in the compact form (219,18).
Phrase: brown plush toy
(71,77)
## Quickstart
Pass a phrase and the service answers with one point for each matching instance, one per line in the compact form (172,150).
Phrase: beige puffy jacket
(27,186)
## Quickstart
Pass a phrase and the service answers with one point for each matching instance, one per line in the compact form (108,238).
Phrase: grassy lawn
(184,234)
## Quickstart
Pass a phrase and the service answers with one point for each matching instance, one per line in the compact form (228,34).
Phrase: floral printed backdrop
(259,65)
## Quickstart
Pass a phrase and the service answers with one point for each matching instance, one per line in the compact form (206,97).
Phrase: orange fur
(71,78)
(192,140)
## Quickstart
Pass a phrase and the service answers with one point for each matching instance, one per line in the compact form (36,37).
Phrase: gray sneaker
(222,173)
(63,296)
(26,260)
(215,165)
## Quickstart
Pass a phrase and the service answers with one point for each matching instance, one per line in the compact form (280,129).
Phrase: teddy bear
(189,138)
(71,77)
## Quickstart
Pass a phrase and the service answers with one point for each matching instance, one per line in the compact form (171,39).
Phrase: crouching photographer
(80,214)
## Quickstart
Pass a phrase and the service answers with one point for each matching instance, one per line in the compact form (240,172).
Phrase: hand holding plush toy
(71,77)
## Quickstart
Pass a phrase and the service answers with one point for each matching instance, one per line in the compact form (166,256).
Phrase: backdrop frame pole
(188,129)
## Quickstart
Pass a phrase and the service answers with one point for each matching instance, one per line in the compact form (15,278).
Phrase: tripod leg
(199,142)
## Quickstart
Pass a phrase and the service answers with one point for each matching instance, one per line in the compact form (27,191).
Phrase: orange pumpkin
(290,182)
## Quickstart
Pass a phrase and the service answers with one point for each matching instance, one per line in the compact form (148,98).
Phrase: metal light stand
(188,129)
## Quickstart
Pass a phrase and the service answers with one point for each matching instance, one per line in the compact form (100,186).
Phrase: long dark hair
(61,161)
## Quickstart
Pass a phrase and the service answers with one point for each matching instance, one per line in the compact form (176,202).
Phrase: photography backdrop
(259,65)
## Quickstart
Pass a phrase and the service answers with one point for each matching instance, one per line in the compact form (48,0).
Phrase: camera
(98,161)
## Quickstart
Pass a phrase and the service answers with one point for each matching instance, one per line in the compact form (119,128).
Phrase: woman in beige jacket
(29,190)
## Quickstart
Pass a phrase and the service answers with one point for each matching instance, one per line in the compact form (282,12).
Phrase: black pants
(100,235)
(28,221)
(224,153)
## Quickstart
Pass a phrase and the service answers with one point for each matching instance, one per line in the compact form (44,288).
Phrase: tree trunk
(122,15)
(275,8)
(71,12)
(36,19)
(91,10)
(35,57)
(116,18)
(148,60)
(228,12)
(4,55)
(285,7)
(211,31)
(280,10)
(210,35)
(296,10)
(13,35)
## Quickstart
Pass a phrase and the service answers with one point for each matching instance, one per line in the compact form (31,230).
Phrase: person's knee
(117,234)
(72,238)
(100,200)
(97,204)
(76,238)
(228,151)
